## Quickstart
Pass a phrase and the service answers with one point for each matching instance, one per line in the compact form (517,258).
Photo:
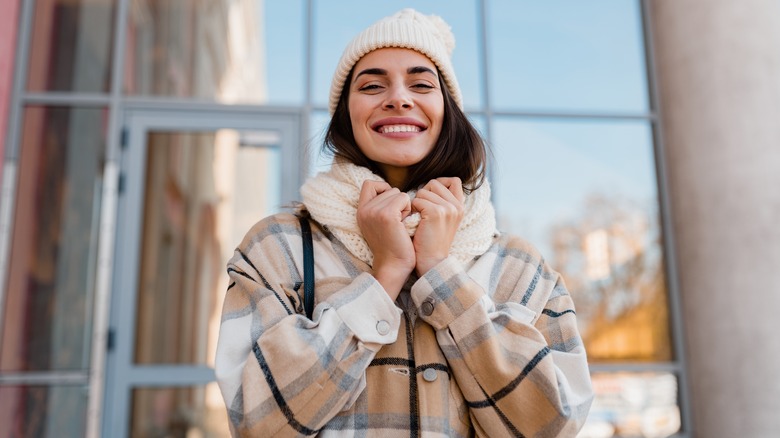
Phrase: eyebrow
(383,72)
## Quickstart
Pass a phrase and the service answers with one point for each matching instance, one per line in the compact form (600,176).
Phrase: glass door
(193,183)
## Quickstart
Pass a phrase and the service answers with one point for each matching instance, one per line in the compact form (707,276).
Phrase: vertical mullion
(485,63)
(666,219)
(308,53)
(308,63)
(20,75)
(107,224)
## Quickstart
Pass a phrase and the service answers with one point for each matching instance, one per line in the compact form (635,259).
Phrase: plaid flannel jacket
(487,349)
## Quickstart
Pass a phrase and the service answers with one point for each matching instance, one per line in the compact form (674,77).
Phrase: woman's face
(396,107)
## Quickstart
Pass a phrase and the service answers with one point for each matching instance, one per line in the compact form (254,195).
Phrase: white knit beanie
(409,29)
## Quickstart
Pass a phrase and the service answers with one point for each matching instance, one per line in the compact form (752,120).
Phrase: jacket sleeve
(523,373)
(282,374)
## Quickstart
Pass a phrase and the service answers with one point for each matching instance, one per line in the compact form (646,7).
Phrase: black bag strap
(308,266)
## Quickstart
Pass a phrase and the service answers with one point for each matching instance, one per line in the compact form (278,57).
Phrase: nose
(399,97)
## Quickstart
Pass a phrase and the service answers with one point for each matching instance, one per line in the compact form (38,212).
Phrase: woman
(428,322)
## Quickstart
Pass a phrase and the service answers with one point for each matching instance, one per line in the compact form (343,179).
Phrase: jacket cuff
(367,310)
(444,293)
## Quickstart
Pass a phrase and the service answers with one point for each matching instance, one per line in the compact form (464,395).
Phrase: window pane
(568,56)
(228,51)
(585,194)
(479,122)
(179,412)
(333,29)
(43,411)
(48,308)
(633,405)
(318,127)
(71,46)
(203,192)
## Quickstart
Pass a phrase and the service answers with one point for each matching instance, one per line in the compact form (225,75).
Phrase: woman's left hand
(440,204)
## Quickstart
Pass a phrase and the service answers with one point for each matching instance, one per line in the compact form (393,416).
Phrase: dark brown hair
(459,150)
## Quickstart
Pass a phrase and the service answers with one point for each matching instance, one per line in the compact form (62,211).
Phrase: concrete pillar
(718,67)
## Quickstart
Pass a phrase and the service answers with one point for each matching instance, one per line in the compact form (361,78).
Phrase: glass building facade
(146,137)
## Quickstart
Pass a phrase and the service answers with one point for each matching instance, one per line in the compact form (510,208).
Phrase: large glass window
(633,405)
(71,46)
(228,51)
(318,126)
(566,56)
(179,412)
(584,193)
(48,306)
(203,191)
(43,411)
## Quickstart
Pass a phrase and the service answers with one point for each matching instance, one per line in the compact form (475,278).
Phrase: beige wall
(718,66)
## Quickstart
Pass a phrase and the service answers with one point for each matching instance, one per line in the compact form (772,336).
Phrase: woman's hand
(380,214)
(440,204)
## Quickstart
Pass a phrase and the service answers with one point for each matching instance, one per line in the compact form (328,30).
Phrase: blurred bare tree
(610,256)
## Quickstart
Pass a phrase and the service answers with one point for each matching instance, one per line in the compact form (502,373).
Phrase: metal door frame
(121,374)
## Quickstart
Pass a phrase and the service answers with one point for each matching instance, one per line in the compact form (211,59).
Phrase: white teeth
(399,128)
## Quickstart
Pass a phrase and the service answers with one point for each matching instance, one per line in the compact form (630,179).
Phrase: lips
(398,125)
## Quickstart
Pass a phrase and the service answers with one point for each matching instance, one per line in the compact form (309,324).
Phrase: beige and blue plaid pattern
(489,349)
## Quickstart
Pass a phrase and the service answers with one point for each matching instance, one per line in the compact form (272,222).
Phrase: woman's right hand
(380,214)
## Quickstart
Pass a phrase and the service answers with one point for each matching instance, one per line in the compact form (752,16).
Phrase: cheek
(356,105)
(436,113)
(358,117)
(435,109)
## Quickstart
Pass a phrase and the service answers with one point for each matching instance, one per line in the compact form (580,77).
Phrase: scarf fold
(332,199)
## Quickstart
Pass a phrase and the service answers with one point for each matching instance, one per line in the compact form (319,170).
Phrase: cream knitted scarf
(332,200)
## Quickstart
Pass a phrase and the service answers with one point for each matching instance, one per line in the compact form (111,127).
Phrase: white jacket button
(383,327)
(430,374)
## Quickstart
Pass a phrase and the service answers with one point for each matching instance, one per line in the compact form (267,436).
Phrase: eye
(423,86)
(370,87)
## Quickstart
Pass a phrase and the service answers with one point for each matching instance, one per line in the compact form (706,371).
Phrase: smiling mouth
(398,128)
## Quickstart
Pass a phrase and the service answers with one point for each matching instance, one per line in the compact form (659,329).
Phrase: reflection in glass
(585,194)
(71,46)
(333,29)
(479,122)
(318,126)
(43,411)
(48,306)
(203,192)
(567,56)
(633,405)
(179,412)
(216,50)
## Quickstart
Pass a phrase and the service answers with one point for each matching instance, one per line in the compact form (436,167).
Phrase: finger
(432,196)
(371,189)
(430,208)
(389,206)
(436,192)
(454,185)
(395,201)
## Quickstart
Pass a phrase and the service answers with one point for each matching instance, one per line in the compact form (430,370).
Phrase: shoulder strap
(308,266)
